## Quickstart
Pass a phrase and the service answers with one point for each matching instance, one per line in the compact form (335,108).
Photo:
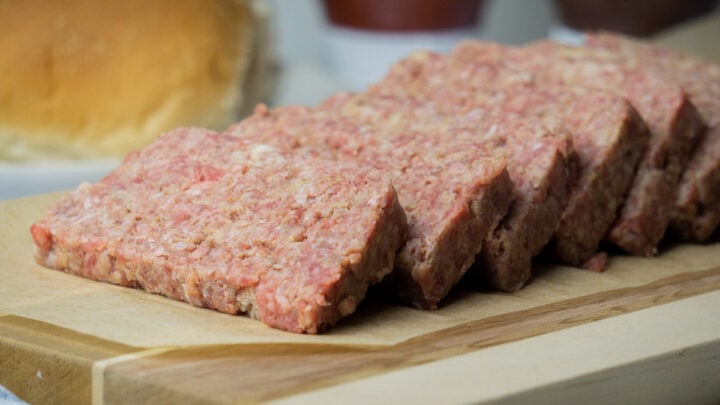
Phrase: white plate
(24,179)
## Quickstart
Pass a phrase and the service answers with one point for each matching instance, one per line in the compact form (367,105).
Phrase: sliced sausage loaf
(205,218)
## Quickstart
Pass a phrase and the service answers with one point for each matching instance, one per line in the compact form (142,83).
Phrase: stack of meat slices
(454,191)
(608,133)
(696,214)
(471,162)
(540,161)
(674,123)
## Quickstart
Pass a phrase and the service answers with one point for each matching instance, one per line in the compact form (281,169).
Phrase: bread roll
(98,78)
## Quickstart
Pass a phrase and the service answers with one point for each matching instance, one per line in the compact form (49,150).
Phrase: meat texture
(220,223)
(454,194)
(607,132)
(674,123)
(696,214)
(541,164)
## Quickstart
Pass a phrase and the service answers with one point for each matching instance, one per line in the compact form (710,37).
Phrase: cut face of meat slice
(454,193)
(219,223)
(696,214)
(608,134)
(674,123)
(541,164)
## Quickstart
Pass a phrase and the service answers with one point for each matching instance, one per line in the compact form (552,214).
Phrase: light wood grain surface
(635,358)
(77,340)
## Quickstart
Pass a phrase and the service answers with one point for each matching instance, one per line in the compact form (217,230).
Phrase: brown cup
(403,15)
(634,17)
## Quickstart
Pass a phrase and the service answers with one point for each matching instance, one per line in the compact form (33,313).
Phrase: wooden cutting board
(66,339)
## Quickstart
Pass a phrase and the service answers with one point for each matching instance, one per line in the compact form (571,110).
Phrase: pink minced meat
(208,219)
(541,164)
(454,193)
(608,134)
(674,122)
(697,210)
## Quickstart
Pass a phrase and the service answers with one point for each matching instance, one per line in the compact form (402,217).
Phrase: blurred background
(312,57)
(324,45)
